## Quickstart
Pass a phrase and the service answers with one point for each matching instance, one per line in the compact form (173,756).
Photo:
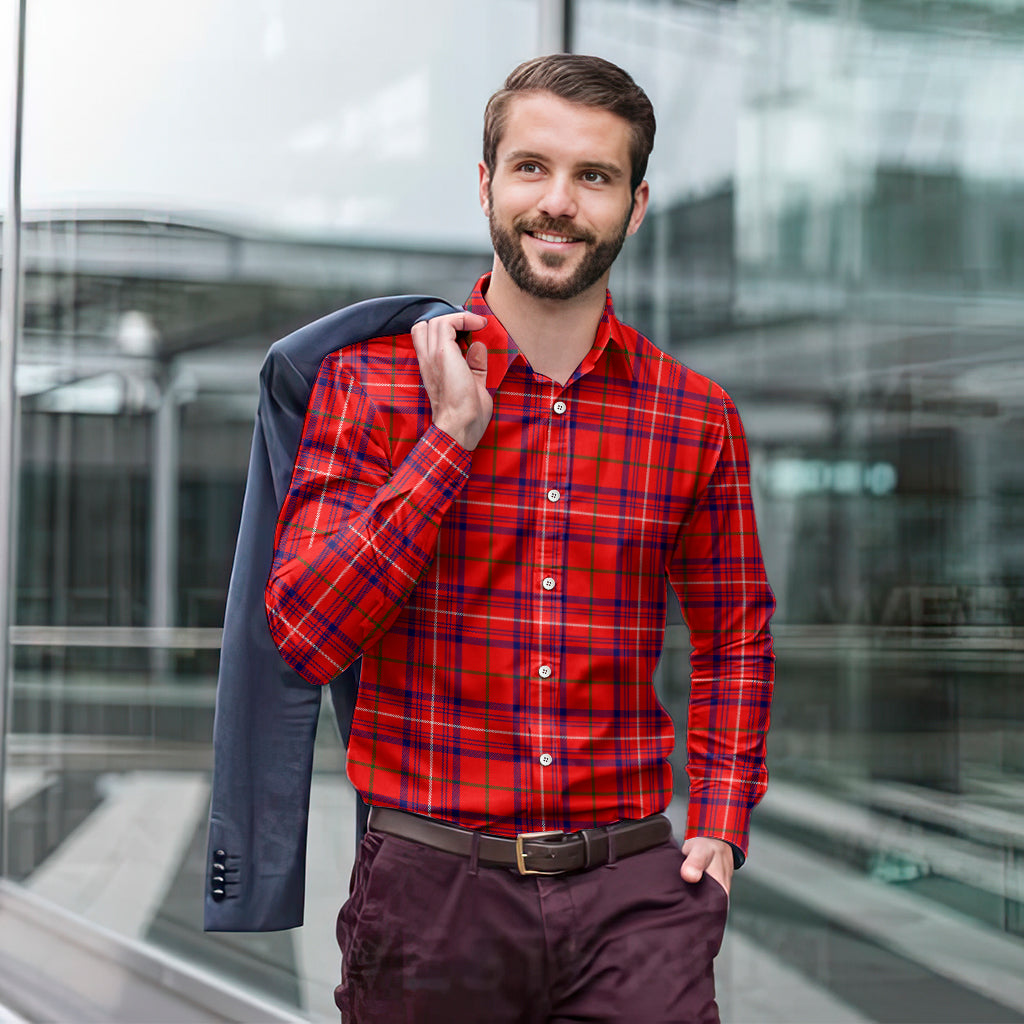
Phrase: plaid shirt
(509,603)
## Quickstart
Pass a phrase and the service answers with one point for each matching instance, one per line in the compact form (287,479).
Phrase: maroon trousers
(430,937)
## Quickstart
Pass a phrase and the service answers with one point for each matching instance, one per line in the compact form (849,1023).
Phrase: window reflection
(854,282)
(199,181)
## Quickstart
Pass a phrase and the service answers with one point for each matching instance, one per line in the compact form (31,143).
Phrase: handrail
(167,637)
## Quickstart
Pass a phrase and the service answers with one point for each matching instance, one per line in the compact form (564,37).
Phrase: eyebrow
(613,171)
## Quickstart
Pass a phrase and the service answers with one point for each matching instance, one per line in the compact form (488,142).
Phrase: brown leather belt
(530,853)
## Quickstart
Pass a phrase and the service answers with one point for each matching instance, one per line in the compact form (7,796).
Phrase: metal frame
(10,323)
(554,26)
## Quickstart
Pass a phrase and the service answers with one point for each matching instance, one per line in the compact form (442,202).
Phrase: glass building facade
(836,235)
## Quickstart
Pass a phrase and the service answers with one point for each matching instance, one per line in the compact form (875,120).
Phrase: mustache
(552,226)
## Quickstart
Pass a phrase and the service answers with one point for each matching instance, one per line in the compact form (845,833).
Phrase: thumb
(693,865)
(476,356)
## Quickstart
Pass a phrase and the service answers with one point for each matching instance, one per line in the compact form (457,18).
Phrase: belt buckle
(521,857)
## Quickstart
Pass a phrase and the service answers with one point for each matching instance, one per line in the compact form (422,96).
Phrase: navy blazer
(266,714)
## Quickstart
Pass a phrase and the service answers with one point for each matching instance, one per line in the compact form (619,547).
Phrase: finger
(476,356)
(466,321)
(445,328)
(442,332)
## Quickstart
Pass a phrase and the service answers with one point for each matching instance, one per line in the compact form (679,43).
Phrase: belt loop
(474,854)
(585,833)
(611,847)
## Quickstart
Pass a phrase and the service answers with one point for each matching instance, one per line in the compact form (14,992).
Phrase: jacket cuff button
(217,894)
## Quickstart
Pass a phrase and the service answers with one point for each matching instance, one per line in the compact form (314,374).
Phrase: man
(487,511)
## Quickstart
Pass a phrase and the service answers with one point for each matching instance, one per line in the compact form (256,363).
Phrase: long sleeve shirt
(509,603)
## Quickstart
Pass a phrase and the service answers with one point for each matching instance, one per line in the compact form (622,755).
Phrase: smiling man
(488,512)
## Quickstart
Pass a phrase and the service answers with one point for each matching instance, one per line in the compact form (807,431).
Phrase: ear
(485,183)
(641,197)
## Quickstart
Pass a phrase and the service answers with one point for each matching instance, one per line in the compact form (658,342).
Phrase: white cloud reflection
(311,116)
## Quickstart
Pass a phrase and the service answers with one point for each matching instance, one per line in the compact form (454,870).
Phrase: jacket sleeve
(718,574)
(356,532)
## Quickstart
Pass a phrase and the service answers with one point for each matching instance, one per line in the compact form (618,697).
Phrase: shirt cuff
(718,814)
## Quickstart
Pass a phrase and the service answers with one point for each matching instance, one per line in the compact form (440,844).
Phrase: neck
(553,334)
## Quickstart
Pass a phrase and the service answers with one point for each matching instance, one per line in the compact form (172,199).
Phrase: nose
(559,198)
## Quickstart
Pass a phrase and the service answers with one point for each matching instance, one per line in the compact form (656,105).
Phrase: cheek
(513,198)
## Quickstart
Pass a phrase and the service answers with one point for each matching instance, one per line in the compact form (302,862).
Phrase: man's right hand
(456,386)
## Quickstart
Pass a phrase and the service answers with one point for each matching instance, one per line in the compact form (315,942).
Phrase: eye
(529,167)
(594,177)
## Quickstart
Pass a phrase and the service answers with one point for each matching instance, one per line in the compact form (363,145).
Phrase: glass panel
(200,179)
(326,119)
(836,237)
(8,25)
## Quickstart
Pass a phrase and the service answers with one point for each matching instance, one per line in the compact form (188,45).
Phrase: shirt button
(548,583)
(546,759)
(559,407)
(553,495)
(544,671)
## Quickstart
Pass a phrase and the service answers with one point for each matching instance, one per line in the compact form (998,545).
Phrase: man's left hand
(711,855)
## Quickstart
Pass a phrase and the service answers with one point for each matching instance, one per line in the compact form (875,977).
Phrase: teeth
(551,238)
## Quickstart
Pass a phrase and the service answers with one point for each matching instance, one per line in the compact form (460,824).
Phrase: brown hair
(577,78)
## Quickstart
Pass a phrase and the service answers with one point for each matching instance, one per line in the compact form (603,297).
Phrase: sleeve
(355,534)
(718,574)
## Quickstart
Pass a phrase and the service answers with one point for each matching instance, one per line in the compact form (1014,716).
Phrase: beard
(599,255)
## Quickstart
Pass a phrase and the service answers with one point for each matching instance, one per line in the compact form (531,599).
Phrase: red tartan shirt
(509,603)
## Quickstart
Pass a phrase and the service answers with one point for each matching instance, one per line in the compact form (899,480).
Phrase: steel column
(554,24)
(10,321)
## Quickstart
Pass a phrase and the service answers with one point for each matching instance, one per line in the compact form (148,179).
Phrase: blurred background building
(836,236)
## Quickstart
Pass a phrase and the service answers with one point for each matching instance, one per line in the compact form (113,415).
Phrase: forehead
(545,124)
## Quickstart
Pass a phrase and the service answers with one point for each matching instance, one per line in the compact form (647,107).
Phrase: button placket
(550,556)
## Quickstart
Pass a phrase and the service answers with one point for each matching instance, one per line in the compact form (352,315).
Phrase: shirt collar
(612,337)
